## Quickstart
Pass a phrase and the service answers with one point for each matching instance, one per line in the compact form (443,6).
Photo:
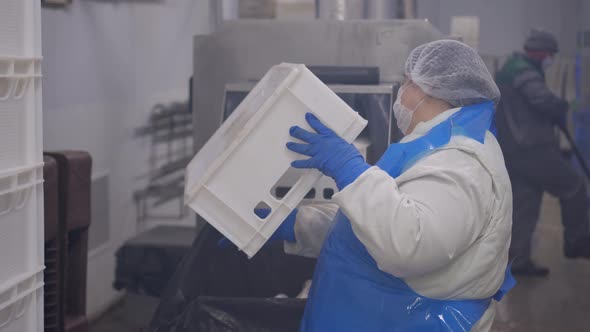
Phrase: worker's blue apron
(350,293)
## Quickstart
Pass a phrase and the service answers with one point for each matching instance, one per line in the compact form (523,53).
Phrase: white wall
(585,13)
(106,63)
(504,24)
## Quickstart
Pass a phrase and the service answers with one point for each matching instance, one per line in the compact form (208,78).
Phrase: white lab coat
(443,226)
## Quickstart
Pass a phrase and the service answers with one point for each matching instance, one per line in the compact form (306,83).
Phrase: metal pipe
(215,16)
(340,9)
(383,9)
(410,9)
(230,9)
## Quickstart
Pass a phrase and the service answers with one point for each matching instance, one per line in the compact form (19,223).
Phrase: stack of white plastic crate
(21,169)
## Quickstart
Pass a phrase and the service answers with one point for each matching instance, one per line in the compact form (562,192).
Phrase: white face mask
(403,115)
(547,62)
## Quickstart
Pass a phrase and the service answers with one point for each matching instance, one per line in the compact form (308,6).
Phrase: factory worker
(526,118)
(418,242)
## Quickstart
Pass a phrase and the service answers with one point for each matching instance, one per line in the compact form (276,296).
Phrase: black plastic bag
(216,289)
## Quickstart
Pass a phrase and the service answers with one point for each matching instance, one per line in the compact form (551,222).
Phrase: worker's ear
(412,95)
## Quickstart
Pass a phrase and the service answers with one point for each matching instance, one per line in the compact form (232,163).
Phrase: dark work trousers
(533,172)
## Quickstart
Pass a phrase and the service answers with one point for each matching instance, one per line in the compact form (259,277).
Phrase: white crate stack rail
(21,167)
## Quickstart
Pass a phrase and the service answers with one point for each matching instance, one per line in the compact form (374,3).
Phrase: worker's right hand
(327,152)
(285,232)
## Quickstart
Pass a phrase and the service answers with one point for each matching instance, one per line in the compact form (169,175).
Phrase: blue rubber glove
(285,232)
(329,153)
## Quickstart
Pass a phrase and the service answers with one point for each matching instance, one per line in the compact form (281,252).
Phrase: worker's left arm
(420,221)
(533,88)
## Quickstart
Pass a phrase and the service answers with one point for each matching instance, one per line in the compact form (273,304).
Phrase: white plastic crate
(20,112)
(20,28)
(234,173)
(21,221)
(21,303)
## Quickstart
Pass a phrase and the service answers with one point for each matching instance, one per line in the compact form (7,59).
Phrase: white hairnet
(451,71)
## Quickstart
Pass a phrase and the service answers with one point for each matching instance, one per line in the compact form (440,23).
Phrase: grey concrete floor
(132,314)
(559,303)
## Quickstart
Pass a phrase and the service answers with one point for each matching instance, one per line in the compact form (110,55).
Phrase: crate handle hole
(281,192)
(328,193)
(262,210)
